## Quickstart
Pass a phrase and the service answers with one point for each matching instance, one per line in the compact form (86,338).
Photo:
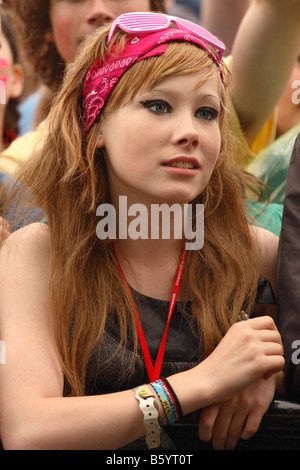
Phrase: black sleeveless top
(105,370)
(182,347)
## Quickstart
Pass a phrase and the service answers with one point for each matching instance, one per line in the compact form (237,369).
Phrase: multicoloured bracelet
(168,400)
(174,397)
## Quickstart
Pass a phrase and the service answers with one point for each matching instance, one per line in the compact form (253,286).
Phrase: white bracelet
(149,408)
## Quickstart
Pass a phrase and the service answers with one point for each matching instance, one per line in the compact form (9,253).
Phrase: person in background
(11,78)
(12,82)
(269,142)
(223,18)
(188,9)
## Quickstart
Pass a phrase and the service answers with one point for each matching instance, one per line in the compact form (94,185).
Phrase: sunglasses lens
(202,34)
(141,22)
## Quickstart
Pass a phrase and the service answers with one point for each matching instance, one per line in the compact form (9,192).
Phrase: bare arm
(267,245)
(263,55)
(34,413)
(223,18)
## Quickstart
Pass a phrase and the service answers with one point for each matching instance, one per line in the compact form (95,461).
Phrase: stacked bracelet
(168,400)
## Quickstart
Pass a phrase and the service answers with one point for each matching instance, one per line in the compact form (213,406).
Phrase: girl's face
(163,145)
(73,20)
(11,75)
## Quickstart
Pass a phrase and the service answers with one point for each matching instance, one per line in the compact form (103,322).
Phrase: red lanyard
(154,372)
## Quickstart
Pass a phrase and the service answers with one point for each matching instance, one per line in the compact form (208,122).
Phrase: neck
(148,245)
(149,265)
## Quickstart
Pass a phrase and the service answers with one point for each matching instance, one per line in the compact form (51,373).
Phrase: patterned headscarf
(101,79)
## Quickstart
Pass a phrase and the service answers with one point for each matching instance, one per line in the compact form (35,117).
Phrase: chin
(180,198)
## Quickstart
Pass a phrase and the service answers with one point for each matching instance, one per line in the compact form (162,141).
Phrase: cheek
(66,40)
(4,64)
(214,147)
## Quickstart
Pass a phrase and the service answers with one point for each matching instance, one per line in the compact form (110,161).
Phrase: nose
(98,13)
(186,135)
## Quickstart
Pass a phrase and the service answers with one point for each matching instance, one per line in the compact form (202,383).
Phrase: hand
(250,350)
(238,418)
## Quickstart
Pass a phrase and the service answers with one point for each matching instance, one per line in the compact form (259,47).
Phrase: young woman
(141,116)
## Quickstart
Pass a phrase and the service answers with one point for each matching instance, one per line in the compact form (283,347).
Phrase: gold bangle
(149,408)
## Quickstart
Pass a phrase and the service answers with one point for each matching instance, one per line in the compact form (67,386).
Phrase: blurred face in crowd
(73,20)
(11,74)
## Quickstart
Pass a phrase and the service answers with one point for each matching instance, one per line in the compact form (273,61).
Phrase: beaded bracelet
(168,400)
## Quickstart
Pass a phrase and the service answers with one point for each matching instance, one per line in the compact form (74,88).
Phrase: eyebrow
(167,92)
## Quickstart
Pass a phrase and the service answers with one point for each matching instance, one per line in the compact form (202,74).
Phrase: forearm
(264,52)
(72,423)
(223,18)
(86,423)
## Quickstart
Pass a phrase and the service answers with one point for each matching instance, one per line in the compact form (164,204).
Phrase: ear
(49,37)
(16,82)
(100,140)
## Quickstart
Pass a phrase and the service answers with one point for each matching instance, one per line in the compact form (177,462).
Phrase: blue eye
(157,106)
(207,113)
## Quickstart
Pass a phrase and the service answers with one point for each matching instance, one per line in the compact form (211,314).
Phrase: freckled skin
(72,21)
(67,44)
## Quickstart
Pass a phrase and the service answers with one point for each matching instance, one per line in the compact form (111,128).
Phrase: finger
(223,423)
(272,365)
(206,422)
(236,429)
(252,424)
(263,322)
(269,336)
(272,349)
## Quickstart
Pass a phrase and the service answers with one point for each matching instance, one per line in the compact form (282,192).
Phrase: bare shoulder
(266,243)
(33,368)
(263,237)
(29,242)
(25,260)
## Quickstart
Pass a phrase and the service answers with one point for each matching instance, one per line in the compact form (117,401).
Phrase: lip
(182,171)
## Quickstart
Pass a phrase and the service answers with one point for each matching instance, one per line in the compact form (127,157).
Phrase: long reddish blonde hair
(67,179)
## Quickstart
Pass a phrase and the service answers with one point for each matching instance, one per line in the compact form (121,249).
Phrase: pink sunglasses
(150,22)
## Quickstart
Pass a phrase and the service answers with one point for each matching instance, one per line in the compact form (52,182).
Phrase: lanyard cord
(154,372)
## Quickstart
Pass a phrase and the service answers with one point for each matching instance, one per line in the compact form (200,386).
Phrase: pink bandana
(101,80)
